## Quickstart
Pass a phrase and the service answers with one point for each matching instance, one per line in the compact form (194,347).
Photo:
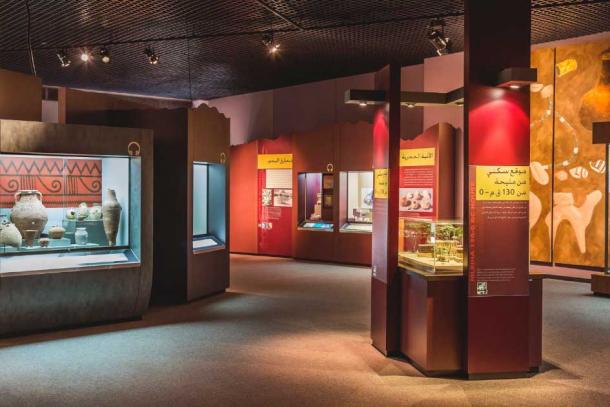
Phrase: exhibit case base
(600,284)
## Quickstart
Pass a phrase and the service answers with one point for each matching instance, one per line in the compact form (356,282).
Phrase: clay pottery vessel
(95,212)
(81,237)
(82,212)
(9,234)
(56,232)
(29,236)
(44,242)
(28,212)
(111,215)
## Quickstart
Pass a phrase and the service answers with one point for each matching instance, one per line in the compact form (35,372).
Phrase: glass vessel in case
(431,245)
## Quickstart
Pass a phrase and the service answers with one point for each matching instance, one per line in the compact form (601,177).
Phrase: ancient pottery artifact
(9,234)
(29,236)
(111,215)
(44,242)
(56,232)
(29,213)
(95,212)
(81,236)
(82,212)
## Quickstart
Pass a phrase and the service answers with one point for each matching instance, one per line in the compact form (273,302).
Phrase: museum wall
(309,106)
(20,96)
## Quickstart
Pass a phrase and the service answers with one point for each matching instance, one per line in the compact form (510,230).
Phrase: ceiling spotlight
(153,58)
(105,55)
(86,56)
(436,36)
(272,46)
(64,59)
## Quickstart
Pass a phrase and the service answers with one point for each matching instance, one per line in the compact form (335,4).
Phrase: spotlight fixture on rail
(153,58)
(273,47)
(85,55)
(436,36)
(105,55)
(64,59)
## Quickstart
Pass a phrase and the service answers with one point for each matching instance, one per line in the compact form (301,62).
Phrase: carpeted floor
(290,334)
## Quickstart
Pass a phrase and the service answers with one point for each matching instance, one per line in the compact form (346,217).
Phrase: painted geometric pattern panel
(62,182)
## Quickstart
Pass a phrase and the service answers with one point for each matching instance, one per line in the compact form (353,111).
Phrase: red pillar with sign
(497,36)
(385,282)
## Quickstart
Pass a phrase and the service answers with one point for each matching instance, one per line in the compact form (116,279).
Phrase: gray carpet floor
(290,334)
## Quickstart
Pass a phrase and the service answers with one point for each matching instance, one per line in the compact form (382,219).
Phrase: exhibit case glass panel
(316,201)
(59,212)
(208,206)
(431,245)
(359,202)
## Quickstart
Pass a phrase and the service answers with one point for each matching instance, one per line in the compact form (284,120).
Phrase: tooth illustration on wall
(598,166)
(539,172)
(579,172)
(562,175)
(579,218)
(535,209)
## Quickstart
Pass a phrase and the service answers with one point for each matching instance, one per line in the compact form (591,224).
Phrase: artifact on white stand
(111,215)
(29,213)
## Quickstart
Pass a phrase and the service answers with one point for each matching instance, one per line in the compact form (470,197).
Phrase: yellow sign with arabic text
(381,183)
(502,183)
(417,157)
(274,161)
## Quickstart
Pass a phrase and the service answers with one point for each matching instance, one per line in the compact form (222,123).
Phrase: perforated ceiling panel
(217,43)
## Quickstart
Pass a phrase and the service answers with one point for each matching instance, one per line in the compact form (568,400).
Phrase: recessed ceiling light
(273,47)
(153,58)
(105,55)
(86,56)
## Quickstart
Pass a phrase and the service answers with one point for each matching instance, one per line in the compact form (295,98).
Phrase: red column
(385,283)
(496,121)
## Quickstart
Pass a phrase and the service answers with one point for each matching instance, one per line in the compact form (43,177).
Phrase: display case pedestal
(600,284)
(433,320)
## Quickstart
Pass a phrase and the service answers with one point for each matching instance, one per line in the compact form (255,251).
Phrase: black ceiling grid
(320,39)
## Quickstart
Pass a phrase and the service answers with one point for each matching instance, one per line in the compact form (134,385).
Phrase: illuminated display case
(74,213)
(431,245)
(316,201)
(208,186)
(75,203)
(359,196)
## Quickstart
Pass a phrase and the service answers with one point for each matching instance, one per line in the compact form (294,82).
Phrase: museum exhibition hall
(304,203)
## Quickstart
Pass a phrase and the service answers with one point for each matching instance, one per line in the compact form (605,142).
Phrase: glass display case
(316,204)
(431,245)
(59,212)
(359,205)
(208,206)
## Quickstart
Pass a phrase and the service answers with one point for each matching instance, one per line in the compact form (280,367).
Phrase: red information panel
(499,224)
(418,171)
(275,197)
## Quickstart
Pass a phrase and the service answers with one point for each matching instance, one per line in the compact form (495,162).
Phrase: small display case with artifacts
(359,197)
(316,201)
(431,245)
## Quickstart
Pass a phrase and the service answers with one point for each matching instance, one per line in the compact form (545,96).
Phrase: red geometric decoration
(62,182)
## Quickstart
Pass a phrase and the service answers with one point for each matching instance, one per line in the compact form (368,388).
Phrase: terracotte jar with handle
(29,213)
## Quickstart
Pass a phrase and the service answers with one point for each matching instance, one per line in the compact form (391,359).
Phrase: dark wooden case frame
(182,137)
(63,298)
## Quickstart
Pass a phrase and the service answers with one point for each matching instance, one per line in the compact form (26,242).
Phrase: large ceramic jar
(28,212)
(111,215)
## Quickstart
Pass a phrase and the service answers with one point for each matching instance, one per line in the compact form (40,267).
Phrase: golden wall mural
(577,92)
